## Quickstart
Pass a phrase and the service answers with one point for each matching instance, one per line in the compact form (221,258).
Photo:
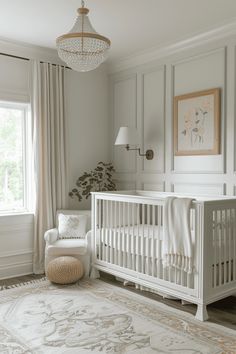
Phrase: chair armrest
(51,236)
(88,238)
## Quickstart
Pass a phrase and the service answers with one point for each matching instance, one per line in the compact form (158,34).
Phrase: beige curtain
(49,146)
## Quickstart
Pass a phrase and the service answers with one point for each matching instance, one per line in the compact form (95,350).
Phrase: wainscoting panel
(153,120)
(125,185)
(193,188)
(206,66)
(234,190)
(16,252)
(199,73)
(124,114)
(159,187)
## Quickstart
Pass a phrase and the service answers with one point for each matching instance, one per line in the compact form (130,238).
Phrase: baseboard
(16,270)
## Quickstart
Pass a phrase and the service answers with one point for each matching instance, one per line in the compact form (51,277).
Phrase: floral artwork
(196,123)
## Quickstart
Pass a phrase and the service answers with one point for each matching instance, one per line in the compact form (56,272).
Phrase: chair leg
(201,313)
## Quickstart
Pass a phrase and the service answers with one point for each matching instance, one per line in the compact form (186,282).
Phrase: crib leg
(94,274)
(127,283)
(201,313)
(184,302)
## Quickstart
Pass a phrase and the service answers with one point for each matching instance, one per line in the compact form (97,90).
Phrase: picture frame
(197,123)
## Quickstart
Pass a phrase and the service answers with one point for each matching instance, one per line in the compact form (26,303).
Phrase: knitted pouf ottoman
(65,270)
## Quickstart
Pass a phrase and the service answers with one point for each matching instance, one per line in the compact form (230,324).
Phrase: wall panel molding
(200,55)
(194,69)
(16,269)
(234,190)
(5,229)
(158,156)
(126,184)
(212,162)
(199,188)
(153,186)
(119,152)
(15,254)
(15,263)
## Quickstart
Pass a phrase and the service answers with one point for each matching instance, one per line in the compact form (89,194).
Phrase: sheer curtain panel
(49,146)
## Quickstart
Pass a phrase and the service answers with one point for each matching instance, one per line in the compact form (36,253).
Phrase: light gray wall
(87,112)
(87,121)
(142,96)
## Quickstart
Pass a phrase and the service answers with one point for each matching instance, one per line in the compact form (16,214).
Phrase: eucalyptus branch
(97,180)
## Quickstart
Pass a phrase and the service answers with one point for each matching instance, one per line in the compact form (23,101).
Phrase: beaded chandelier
(83,49)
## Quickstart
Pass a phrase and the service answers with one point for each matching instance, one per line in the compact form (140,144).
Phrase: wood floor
(5,283)
(222,312)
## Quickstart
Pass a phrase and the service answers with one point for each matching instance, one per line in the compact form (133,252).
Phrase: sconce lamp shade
(127,136)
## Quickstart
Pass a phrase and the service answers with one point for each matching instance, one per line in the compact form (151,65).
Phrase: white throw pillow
(72,226)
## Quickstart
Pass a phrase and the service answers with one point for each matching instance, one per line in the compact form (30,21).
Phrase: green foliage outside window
(11,158)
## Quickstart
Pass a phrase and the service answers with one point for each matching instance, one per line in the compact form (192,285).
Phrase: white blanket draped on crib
(177,240)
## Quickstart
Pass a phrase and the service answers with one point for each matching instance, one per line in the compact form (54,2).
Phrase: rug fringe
(28,282)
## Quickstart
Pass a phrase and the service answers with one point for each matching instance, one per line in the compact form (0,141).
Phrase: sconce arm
(148,154)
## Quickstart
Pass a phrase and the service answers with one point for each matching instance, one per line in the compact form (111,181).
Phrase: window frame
(27,174)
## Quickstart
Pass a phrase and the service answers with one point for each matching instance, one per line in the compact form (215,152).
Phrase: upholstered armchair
(78,247)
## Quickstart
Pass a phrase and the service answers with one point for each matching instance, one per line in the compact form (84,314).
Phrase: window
(14,157)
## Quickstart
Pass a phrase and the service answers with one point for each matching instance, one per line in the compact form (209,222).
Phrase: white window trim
(28,200)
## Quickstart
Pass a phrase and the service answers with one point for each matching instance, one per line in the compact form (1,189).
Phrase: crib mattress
(131,240)
(148,231)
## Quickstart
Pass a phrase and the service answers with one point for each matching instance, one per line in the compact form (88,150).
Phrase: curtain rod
(23,58)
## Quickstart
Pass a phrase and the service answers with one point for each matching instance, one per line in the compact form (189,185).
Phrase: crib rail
(129,236)
(223,245)
(128,240)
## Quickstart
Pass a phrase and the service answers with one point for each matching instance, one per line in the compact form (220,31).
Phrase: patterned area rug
(96,317)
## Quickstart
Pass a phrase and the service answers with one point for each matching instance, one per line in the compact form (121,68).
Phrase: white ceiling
(132,25)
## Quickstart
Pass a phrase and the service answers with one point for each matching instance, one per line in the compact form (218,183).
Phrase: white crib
(127,242)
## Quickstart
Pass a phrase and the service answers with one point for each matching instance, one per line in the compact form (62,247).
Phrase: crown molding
(224,31)
(29,51)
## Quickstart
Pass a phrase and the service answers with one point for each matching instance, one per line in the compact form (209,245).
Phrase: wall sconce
(129,136)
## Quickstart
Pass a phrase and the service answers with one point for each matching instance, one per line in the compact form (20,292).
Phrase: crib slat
(107,232)
(153,240)
(234,244)
(143,238)
(120,239)
(148,240)
(124,236)
(225,245)
(220,249)
(159,219)
(128,240)
(229,231)
(138,240)
(115,233)
(175,276)
(133,236)
(111,243)
(99,230)
(214,231)
(103,229)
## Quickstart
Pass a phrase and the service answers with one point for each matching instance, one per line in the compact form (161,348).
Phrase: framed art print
(197,123)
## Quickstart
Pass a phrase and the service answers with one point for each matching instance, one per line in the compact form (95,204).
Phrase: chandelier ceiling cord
(83,49)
